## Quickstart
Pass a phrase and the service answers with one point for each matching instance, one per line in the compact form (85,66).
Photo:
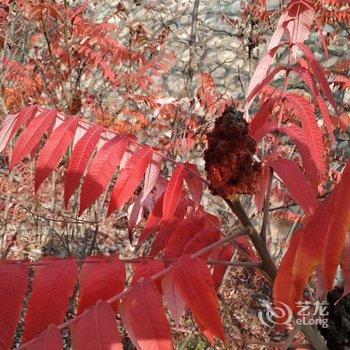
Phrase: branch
(269,268)
(265,222)
(212,262)
(192,44)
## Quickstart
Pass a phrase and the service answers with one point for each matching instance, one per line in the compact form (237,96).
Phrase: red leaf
(100,278)
(318,245)
(53,285)
(13,286)
(246,248)
(5,130)
(12,123)
(194,183)
(153,221)
(173,192)
(96,329)
(50,339)
(151,175)
(31,136)
(54,149)
(201,240)
(25,116)
(345,264)
(135,215)
(166,230)
(323,39)
(101,171)
(311,83)
(278,33)
(195,285)
(129,178)
(306,112)
(318,72)
(258,87)
(301,15)
(297,185)
(79,161)
(143,315)
(183,233)
(260,77)
(146,268)
(211,221)
(262,116)
(298,137)
(175,303)
(296,21)
(225,254)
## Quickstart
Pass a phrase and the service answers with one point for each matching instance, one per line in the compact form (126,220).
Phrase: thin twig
(246,264)
(265,222)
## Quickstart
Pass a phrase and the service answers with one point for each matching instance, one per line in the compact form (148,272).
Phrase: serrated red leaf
(100,278)
(153,221)
(54,149)
(146,268)
(260,77)
(151,175)
(306,112)
(173,192)
(31,136)
(129,178)
(5,130)
(246,248)
(135,215)
(50,339)
(300,140)
(195,285)
(211,221)
(298,187)
(317,246)
(13,122)
(183,233)
(166,230)
(96,329)
(175,303)
(13,286)
(323,39)
(262,116)
(300,18)
(25,116)
(258,87)
(194,183)
(296,21)
(79,160)
(318,72)
(201,240)
(345,265)
(225,254)
(53,285)
(311,83)
(144,317)
(101,171)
